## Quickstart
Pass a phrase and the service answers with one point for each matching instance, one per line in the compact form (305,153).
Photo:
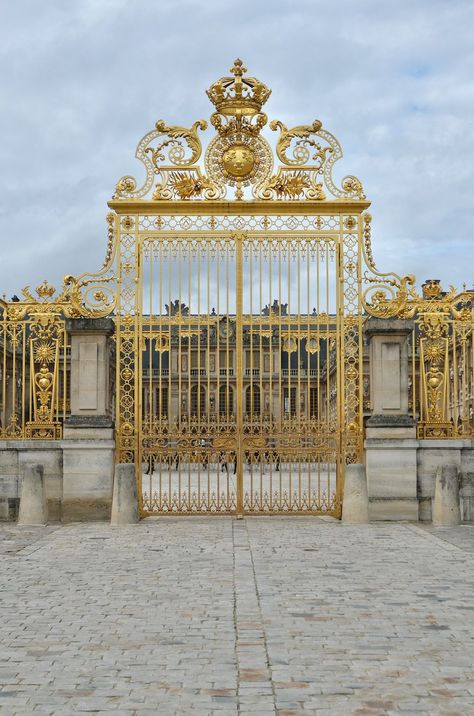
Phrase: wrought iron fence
(442,365)
(441,397)
(34,375)
(35,360)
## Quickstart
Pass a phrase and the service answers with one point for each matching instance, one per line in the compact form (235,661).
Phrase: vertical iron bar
(238,238)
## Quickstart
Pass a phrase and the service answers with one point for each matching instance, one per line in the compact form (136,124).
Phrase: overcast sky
(82,80)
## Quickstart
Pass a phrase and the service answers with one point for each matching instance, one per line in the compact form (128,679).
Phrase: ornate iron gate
(239,341)
(239,373)
(241,377)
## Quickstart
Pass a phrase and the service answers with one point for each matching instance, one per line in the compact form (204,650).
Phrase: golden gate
(239,342)
(239,286)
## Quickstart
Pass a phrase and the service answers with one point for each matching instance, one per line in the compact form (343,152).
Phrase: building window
(198,400)
(252,401)
(160,406)
(289,401)
(226,401)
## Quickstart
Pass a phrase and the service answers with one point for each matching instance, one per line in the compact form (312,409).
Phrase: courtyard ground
(267,615)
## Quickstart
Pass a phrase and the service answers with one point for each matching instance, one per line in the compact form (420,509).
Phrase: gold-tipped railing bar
(238,238)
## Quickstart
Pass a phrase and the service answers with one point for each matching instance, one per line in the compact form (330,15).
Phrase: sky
(82,81)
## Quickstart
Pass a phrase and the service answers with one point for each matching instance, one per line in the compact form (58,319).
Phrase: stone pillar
(446,508)
(433,455)
(125,501)
(391,444)
(355,505)
(33,508)
(88,445)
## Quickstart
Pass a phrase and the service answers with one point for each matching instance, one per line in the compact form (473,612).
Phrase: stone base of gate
(88,469)
(393,509)
(391,463)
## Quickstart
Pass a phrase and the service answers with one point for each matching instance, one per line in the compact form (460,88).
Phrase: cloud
(83,81)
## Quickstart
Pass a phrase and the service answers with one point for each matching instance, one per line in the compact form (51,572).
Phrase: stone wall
(401,469)
(78,471)
(15,455)
(79,468)
(78,476)
(432,454)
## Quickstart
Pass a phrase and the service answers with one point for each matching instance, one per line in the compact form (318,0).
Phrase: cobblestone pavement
(288,616)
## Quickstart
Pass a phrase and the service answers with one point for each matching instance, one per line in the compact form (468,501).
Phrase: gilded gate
(239,321)
(239,283)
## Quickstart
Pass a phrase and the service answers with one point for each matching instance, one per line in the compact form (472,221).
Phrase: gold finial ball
(238,160)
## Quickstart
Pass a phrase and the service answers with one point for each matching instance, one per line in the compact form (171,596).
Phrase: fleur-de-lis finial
(238,69)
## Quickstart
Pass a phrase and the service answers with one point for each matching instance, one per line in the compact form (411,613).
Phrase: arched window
(226,401)
(252,401)
(198,400)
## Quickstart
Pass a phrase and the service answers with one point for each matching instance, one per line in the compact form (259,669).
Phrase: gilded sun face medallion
(238,160)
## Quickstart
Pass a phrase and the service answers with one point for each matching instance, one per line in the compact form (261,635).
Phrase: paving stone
(288,616)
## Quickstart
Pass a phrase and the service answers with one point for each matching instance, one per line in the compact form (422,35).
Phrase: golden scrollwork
(80,297)
(35,347)
(238,156)
(173,148)
(301,153)
(322,155)
(387,294)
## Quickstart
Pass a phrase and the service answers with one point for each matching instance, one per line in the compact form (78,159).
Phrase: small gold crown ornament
(45,290)
(238,96)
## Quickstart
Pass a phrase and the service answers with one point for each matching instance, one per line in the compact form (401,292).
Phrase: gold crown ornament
(238,96)
(238,155)
(45,290)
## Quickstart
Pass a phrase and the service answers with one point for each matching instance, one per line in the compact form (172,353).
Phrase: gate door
(239,383)
(239,342)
